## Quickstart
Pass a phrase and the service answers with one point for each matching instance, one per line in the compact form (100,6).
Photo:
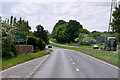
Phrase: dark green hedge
(36,42)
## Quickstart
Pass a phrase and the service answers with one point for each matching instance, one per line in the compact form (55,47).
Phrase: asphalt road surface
(63,63)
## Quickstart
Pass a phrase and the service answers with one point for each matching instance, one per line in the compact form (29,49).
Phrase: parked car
(49,46)
(95,47)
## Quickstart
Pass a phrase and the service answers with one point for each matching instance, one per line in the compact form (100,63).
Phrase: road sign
(21,36)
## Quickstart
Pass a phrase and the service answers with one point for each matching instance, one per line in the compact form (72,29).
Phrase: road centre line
(73,63)
(77,69)
(31,73)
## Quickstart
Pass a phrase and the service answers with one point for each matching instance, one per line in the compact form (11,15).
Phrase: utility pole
(113,5)
(118,3)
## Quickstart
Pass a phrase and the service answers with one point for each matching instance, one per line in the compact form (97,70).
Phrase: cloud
(92,15)
(56,0)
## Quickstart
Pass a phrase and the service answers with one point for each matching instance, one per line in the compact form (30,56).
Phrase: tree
(95,34)
(7,38)
(85,31)
(42,34)
(8,34)
(23,25)
(72,30)
(57,26)
(11,20)
(66,32)
(116,21)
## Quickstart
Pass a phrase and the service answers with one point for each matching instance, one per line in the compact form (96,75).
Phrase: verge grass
(9,62)
(99,54)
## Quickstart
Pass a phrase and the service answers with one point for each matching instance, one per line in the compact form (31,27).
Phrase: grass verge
(9,62)
(102,55)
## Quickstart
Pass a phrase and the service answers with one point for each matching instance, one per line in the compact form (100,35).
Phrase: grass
(100,54)
(84,46)
(73,44)
(0,64)
(9,62)
(118,47)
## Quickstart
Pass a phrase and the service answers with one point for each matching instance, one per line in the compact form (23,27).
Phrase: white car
(95,47)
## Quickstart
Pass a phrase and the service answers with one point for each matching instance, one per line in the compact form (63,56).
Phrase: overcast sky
(92,15)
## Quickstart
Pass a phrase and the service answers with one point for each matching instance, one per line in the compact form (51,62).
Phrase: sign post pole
(22,36)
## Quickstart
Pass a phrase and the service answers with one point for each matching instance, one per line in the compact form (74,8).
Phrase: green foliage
(88,41)
(8,62)
(100,54)
(95,34)
(66,32)
(22,25)
(85,39)
(42,34)
(72,30)
(116,21)
(7,38)
(9,28)
(36,42)
(31,34)
(41,44)
(85,31)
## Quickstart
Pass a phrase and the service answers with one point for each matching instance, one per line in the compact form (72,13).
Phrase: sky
(93,15)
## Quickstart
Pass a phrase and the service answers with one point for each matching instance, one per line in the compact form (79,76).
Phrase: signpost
(20,37)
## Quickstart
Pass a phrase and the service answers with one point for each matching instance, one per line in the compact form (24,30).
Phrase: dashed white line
(73,63)
(77,69)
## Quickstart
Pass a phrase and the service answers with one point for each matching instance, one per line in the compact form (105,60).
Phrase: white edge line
(18,65)
(102,61)
(31,73)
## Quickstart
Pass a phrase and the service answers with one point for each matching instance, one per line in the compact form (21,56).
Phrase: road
(64,63)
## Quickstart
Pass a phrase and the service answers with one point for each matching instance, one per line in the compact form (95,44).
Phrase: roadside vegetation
(100,54)
(9,62)
(73,33)
(39,39)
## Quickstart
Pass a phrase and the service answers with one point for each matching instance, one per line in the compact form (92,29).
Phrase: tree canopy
(42,34)
(66,31)
(116,21)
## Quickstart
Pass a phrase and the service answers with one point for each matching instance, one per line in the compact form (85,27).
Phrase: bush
(88,41)
(6,47)
(37,43)
(41,44)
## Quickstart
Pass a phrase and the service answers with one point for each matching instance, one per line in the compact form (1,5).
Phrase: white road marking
(77,69)
(18,65)
(102,61)
(31,73)
(73,63)
(70,59)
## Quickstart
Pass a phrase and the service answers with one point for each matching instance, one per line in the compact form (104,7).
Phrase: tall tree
(42,34)
(66,32)
(116,21)
(11,20)
(23,25)
(72,30)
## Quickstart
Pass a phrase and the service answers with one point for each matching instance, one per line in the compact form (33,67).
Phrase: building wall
(23,49)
